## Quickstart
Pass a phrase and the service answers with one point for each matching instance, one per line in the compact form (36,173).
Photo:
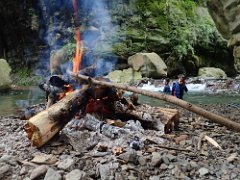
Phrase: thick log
(171,99)
(162,119)
(43,126)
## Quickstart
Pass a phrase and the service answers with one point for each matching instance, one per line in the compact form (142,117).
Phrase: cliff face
(226,15)
(181,32)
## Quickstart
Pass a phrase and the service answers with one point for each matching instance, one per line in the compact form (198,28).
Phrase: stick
(168,98)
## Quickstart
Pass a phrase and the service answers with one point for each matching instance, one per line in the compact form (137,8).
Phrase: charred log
(91,123)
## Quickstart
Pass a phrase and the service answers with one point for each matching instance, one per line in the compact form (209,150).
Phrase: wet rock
(75,174)
(52,175)
(156,159)
(38,171)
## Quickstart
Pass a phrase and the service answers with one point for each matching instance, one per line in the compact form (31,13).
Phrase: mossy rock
(126,76)
(5,80)
(211,72)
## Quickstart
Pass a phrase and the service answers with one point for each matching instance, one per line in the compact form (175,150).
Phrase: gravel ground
(81,154)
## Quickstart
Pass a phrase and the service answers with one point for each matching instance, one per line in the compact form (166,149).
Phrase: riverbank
(82,153)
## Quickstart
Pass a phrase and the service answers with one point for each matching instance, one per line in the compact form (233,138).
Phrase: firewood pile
(93,107)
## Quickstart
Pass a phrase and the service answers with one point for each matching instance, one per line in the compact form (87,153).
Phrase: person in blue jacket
(179,87)
(166,89)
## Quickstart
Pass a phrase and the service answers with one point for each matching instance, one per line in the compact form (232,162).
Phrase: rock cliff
(226,15)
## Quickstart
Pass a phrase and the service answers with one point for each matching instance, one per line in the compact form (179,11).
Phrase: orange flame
(78,54)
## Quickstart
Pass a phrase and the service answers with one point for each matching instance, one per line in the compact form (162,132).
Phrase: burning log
(186,105)
(162,119)
(43,126)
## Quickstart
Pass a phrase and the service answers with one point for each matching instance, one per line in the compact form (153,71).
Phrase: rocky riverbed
(81,154)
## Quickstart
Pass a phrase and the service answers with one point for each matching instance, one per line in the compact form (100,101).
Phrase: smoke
(57,22)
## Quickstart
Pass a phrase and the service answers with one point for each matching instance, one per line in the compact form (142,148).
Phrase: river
(12,102)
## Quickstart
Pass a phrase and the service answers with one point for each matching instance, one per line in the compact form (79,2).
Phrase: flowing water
(15,100)
(197,94)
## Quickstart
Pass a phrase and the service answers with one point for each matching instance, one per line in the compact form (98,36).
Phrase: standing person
(179,87)
(166,88)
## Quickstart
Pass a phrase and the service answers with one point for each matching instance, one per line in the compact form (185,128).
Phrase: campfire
(75,96)
(107,104)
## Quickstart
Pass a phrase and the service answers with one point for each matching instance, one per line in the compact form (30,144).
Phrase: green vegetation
(176,26)
(24,77)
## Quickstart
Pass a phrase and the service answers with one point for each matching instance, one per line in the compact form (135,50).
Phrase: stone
(154,178)
(170,157)
(44,159)
(124,76)
(118,176)
(23,170)
(5,80)
(163,166)
(165,159)
(106,170)
(142,161)
(129,157)
(4,168)
(156,159)
(9,160)
(66,164)
(38,171)
(193,164)
(52,175)
(149,64)
(211,72)
(75,174)
(236,55)
(203,171)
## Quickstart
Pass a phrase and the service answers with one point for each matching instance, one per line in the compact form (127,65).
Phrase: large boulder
(236,54)
(149,64)
(226,15)
(125,76)
(211,72)
(5,80)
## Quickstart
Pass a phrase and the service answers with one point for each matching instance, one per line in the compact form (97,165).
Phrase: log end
(33,134)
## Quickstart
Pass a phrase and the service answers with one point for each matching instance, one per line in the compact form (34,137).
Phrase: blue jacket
(167,89)
(178,89)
